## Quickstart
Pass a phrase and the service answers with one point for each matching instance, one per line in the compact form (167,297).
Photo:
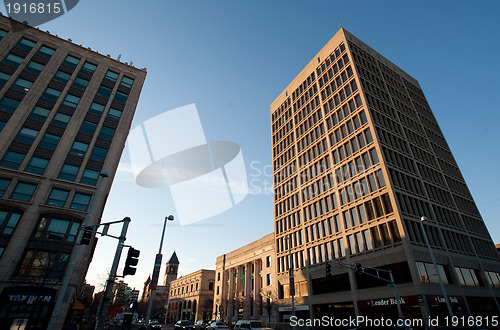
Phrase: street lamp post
(422,219)
(291,276)
(74,255)
(156,270)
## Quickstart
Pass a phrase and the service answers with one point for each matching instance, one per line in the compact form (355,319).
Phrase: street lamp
(156,269)
(74,256)
(422,219)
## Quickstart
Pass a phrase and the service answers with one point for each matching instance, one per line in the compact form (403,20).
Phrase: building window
(4,183)
(107,133)
(54,228)
(493,278)
(99,154)
(96,108)
(268,261)
(40,113)
(50,141)
(111,75)
(127,82)
(35,67)
(51,94)
(89,68)
(80,83)
(90,176)
(68,172)
(8,104)
(22,85)
(13,60)
(60,119)
(3,33)
(26,44)
(121,97)
(211,286)
(71,100)
(268,279)
(12,159)
(23,191)
(467,276)
(26,135)
(62,77)
(114,114)
(79,148)
(8,221)
(45,264)
(88,127)
(104,91)
(37,165)
(46,52)
(57,197)
(4,77)
(80,202)
(427,272)
(71,61)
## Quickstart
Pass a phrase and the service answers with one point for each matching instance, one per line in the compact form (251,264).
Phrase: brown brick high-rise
(358,160)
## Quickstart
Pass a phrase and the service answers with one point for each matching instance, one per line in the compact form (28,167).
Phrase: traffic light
(132,260)
(86,236)
(328,269)
(358,269)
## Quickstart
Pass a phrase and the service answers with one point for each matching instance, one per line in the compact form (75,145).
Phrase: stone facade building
(65,113)
(245,286)
(191,297)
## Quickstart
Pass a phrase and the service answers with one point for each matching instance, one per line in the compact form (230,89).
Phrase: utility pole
(101,316)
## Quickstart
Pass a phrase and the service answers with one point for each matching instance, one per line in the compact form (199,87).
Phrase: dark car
(155,325)
(183,325)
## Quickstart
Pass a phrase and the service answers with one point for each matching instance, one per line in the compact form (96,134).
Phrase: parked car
(184,325)
(250,324)
(200,325)
(216,325)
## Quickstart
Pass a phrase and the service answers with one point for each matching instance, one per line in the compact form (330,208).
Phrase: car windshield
(256,324)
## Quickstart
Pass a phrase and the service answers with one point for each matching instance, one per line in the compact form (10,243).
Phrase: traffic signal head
(358,268)
(86,236)
(132,260)
(328,269)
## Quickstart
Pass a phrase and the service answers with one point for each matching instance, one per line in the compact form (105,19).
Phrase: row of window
(360,242)
(369,210)
(24,191)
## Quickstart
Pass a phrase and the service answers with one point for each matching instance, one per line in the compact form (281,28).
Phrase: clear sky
(232,58)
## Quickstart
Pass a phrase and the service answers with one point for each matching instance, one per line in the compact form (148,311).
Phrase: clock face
(39,11)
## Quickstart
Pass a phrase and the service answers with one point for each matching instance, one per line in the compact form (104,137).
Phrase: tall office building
(65,113)
(358,160)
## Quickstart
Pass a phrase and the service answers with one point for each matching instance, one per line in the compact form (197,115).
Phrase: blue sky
(232,58)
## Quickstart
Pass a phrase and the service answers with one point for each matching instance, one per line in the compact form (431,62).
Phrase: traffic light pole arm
(358,268)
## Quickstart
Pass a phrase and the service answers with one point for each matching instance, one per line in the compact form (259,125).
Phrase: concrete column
(257,302)
(230,297)
(247,307)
